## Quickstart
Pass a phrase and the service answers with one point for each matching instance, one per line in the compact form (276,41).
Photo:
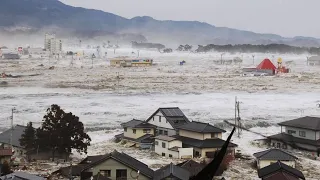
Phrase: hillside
(52,14)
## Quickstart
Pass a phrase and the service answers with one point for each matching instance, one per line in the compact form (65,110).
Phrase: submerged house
(139,133)
(171,147)
(270,156)
(10,56)
(301,133)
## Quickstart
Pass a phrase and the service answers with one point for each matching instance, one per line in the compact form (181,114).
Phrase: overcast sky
(285,17)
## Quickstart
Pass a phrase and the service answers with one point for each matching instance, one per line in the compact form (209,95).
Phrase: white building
(171,147)
(52,44)
(314,61)
(167,120)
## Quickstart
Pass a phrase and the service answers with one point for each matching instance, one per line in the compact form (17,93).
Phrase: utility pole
(253,59)
(118,79)
(12,110)
(237,116)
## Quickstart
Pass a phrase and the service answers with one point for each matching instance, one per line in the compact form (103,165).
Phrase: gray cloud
(285,17)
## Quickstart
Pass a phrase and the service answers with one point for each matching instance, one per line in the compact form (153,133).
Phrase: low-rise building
(280,170)
(114,165)
(5,155)
(10,56)
(302,133)
(270,156)
(171,147)
(139,133)
(314,61)
(167,120)
(192,166)
(204,138)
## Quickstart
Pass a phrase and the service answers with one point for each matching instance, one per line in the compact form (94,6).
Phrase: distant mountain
(35,15)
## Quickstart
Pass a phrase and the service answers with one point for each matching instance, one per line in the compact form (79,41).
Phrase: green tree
(28,137)
(62,132)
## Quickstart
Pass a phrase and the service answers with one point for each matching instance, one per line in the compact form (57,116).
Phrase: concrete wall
(185,153)
(264,163)
(113,165)
(309,134)
(139,133)
(200,136)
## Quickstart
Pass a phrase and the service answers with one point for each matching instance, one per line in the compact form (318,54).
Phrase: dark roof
(193,167)
(10,56)
(92,159)
(17,132)
(200,127)
(147,138)
(171,171)
(277,167)
(137,124)
(291,140)
(21,175)
(311,123)
(173,115)
(207,143)
(126,160)
(274,154)
(74,170)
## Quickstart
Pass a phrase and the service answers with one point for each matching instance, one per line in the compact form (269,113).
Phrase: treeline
(249,48)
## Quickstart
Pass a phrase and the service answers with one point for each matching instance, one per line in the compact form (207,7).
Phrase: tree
(28,138)
(5,169)
(62,132)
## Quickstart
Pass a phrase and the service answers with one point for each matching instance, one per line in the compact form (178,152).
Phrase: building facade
(52,44)
(171,147)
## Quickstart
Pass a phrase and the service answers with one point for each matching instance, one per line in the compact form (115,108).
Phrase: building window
(156,143)
(170,155)
(302,133)
(121,174)
(163,154)
(164,145)
(146,131)
(214,135)
(291,132)
(134,131)
(165,133)
(106,173)
(125,129)
(159,118)
(278,145)
(160,131)
(197,154)
(153,118)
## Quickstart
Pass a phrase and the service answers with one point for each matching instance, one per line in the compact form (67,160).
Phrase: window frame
(302,133)
(163,145)
(134,131)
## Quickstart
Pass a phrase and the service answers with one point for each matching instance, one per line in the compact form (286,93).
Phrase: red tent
(266,64)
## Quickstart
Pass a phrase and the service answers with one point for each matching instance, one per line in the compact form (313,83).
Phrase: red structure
(266,64)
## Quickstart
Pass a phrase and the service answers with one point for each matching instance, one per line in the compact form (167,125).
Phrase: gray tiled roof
(17,132)
(291,140)
(137,124)
(200,127)
(165,138)
(274,154)
(307,122)
(174,116)
(126,160)
(278,167)
(207,143)
(21,175)
(171,171)
(193,167)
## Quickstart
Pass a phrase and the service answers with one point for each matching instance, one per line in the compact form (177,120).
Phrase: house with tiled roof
(267,157)
(167,120)
(139,133)
(302,133)
(171,171)
(280,170)
(114,165)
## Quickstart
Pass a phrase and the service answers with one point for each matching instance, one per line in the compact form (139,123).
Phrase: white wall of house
(160,121)
(264,163)
(159,149)
(309,134)
(138,132)
(185,153)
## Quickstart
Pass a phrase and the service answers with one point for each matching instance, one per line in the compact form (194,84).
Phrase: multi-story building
(52,44)
(301,133)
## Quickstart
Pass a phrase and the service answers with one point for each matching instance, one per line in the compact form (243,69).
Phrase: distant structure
(314,61)
(52,44)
